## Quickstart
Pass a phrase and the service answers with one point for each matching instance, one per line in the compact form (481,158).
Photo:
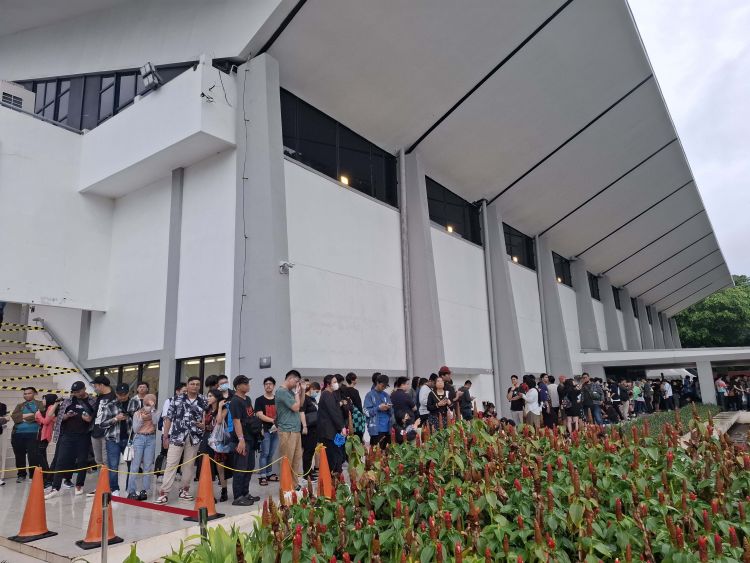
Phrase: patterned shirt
(184,415)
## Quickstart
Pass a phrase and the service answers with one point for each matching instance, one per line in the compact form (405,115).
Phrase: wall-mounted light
(449,228)
(151,78)
(345,180)
(515,259)
(559,280)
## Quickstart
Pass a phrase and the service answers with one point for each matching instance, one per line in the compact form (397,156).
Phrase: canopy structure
(549,109)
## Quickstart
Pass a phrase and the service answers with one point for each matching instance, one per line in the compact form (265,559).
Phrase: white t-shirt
(532,401)
(424,393)
(667,390)
(554,396)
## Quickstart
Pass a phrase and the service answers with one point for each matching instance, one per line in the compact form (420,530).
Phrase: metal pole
(203,522)
(106,499)
(491,306)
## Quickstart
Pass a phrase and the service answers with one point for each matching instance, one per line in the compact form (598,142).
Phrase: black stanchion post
(106,500)
(203,522)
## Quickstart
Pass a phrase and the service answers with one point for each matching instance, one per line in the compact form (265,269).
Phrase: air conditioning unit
(16,96)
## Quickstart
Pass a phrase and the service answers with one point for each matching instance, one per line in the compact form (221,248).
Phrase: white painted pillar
(675,333)
(668,343)
(656,329)
(632,340)
(586,319)
(647,337)
(611,323)
(706,381)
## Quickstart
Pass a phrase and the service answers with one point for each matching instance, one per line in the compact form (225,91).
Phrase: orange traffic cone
(286,485)
(93,537)
(325,485)
(205,497)
(34,522)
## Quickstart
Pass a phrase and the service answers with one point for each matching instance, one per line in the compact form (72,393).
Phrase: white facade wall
(529,315)
(621,322)
(570,321)
(601,328)
(345,288)
(64,322)
(137,281)
(462,295)
(132,33)
(54,242)
(204,310)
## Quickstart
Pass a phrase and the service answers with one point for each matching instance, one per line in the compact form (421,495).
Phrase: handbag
(129,452)
(220,440)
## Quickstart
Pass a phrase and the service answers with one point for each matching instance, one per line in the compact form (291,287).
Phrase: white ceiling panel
(697,285)
(18,15)
(698,296)
(673,283)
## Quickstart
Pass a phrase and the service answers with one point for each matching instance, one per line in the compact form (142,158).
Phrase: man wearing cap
(72,430)
(102,388)
(246,426)
(378,409)
(114,419)
(23,438)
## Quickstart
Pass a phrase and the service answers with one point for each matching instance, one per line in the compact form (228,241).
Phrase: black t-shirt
(268,408)
(76,424)
(402,403)
(516,401)
(242,411)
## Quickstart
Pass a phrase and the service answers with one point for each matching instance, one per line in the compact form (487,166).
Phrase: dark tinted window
(320,142)
(562,269)
(107,98)
(634,304)
(126,92)
(453,212)
(520,247)
(616,295)
(594,286)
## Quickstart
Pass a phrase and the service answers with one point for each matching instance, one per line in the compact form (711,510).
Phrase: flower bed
(475,493)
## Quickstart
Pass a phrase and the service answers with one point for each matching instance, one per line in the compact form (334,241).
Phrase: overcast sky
(700,50)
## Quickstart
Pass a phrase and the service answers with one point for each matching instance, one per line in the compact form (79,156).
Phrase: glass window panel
(49,96)
(127,90)
(189,368)
(106,103)
(171,72)
(616,295)
(90,111)
(64,86)
(113,374)
(354,160)
(594,286)
(62,107)
(130,375)
(151,376)
(213,366)
(39,103)
(317,140)
(391,186)
(634,304)
(289,122)
(107,81)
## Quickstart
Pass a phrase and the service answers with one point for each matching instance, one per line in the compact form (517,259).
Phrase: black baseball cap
(102,380)
(77,386)
(122,389)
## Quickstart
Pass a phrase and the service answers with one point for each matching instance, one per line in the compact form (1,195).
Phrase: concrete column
(586,318)
(596,371)
(507,337)
(668,343)
(675,333)
(706,381)
(632,340)
(656,329)
(647,338)
(553,325)
(614,334)
(84,335)
(426,332)
(261,324)
(167,363)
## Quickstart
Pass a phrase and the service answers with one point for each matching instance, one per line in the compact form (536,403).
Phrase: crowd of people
(291,419)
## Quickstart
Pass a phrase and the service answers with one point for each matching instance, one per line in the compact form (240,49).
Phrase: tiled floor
(69,515)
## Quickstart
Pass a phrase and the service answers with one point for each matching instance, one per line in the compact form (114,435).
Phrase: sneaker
(67,484)
(143,495)
(185,495)
(160,478)
(20,479)
(2,482)
(52,494)
(116,493)
(132,496)
(253,498)
(243,501)
(79,491)
(162,499)
(91,494)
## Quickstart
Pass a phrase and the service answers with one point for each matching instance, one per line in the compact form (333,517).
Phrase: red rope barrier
(157,507)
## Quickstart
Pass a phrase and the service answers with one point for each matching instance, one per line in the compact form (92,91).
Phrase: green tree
(721,319)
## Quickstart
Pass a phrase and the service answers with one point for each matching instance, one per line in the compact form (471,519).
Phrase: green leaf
(428,554)
(491,499)
(603,549)
(552,523)
(576,513)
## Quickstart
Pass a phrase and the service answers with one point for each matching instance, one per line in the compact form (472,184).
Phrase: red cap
(444,370)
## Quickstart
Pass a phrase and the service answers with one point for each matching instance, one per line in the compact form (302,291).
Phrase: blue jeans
(596,414)
(114,450)
(267,450)
(144,452)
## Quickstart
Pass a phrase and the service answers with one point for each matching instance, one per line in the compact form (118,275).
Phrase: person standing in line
(114,419)
(414,391)
(183,432)
(648,396)
(103,388)
(465,403)
(531,398)
(289,398)
(75,416)
(425,387)
(23,438)
(516,400)
(310,436)
(624,389)
(554,400)
(379,410)
(161,457)
(265,409)
(359,421)
(668,395)
(216,415)
(401,398)
(136,402)
(544,399)
(3,423)
(439,404)
(46,419)
(330,423)
(247,430)
(145,421)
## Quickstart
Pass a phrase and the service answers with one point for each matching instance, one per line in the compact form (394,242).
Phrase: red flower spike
(670,459)
(371,518)
(715,506)
(717,544)
(680,537)
(519,559)
(628,554)
(433,530)
(550,542)
(559,463)
(347,557)
(439,552)
(358,525)
(294,497)
(693,497)
(458,553)
(519,521)
(397,512)
(400,468)
(734,541)
(447,520)
(703,549)
(506,546)
(706,521)
(618,509)
(333,559)
(741,508)
(661,497)
(459,493)
(746,462)
(517,485)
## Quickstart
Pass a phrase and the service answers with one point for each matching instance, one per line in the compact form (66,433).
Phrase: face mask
(224,387)
(335,385)
(314,394)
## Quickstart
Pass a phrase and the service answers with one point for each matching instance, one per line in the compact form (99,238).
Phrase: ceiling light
(130,369)
(515,259)
(559,280)
(345,180)
(192,362)
(450,228)
(219,359)
(209,361)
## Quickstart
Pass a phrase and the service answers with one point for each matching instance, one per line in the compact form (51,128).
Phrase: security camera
(285,266)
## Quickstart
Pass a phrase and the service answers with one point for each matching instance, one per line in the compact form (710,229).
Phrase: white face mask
(314,394)
(224,387)
(335,385)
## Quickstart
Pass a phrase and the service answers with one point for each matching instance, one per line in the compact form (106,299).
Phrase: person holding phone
(289,399)
(379,412)
(145,421)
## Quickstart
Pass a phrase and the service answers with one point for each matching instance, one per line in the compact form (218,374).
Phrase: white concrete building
(347,186)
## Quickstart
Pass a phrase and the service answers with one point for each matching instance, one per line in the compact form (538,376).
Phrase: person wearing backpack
(592,394)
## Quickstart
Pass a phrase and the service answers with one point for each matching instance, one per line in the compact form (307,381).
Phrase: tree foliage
(721,319)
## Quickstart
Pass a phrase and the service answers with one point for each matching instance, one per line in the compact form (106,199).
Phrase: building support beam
(261,323)
(647,337)
(632,340)
(675,333)
(665,328)
(505,336)
(656,329)
(425,330)
(706,382)
(611,322)
(585,307)
(167,362)
(556,349)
